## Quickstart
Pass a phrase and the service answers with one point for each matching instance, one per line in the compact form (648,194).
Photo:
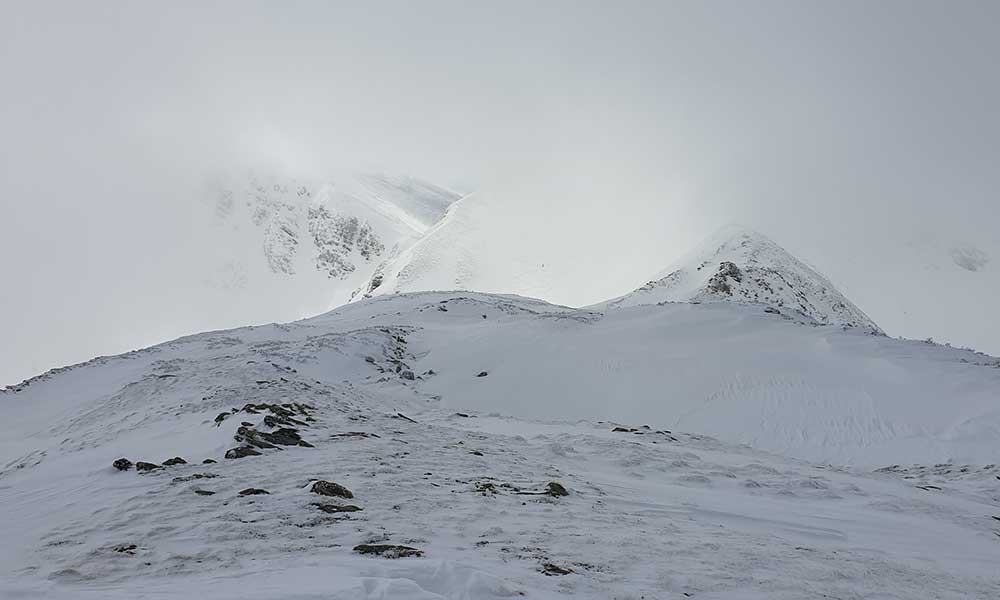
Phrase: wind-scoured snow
(522,449)
(741,265)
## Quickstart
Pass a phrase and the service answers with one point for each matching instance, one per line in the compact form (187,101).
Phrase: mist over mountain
(445,300)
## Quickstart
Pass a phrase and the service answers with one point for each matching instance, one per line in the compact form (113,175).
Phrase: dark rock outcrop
(329,488)
(253,492)
(556,489)
(145,466)
(263,439)
(336,508)
(387,550)
(551,569)
(122,464)
(174,461)
(242,452)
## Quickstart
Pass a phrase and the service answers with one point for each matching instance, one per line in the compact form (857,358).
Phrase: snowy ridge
(442,259)
(740,265)
(515,448)
(484,243)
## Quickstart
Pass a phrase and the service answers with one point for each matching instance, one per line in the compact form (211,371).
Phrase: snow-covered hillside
(494,240)
(741,265)
(513,448)
(323,239)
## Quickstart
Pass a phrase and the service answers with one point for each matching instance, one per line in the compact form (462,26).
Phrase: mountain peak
(738,264)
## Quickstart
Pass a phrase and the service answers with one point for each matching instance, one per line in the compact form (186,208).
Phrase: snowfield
(505,447)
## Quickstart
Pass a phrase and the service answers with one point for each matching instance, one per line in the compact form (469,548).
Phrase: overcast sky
(863,136)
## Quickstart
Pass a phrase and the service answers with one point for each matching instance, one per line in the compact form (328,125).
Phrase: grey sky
(861,135)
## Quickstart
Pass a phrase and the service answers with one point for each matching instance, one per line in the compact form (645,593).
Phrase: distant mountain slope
(450,256)
(300,247)
(740,265)
(499,242)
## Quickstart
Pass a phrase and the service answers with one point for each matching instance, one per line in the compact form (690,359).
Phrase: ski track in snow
(652,512)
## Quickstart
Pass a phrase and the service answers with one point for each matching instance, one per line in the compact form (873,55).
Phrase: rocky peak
(741,265)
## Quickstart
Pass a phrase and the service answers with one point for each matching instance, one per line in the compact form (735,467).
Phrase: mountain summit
(740,265)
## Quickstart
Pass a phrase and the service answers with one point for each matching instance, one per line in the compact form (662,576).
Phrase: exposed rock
(285,411)
(145,466)
(354,434)
(220,418)
(193,477)
(328,488)
(122,464)
(204,492)
(718,283)
(253,492)
(278,421)
(551,569)
(407,375)
(336,508)
(174,461)
(126,548)
(556,489)
(241,452)
(262,439)
(482,374)
(388,550)
(208,461)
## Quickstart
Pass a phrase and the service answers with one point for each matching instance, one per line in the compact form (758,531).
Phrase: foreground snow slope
(773,380)
(374,388)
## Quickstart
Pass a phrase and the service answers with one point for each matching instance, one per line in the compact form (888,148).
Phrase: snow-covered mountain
(321,238)
(734,265)
(504,447)
(740,265)
(735,415)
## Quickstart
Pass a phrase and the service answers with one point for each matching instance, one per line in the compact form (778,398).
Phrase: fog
(862,136)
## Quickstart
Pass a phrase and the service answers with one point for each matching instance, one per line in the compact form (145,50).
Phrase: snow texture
(715,451)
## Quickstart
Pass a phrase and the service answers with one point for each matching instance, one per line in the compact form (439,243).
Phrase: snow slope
(321,238)
(496,241)
(613,406)
(740,265)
